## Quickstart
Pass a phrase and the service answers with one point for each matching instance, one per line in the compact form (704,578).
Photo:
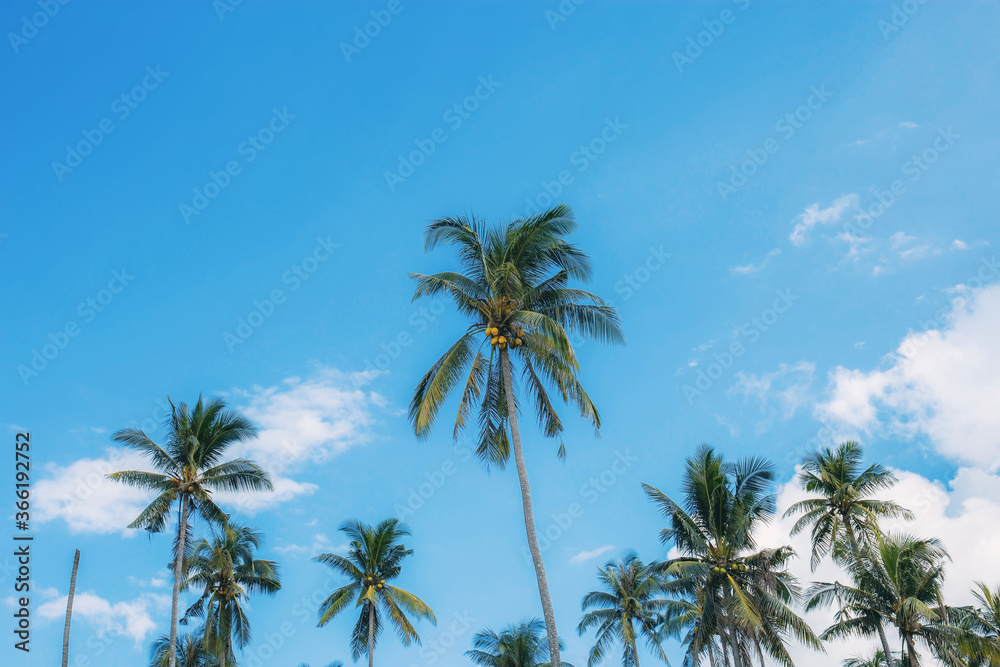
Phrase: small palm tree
(845,501)
(846,507)
(375,557)
(189,467)
(513,286)
(519,645)
(877,659)
(744,593)
(226,570)
(190,651)
(626,608)
(983,619)
(899,585)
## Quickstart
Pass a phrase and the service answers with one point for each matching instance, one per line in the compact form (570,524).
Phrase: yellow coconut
(502,340)
(517,342)
(493,341)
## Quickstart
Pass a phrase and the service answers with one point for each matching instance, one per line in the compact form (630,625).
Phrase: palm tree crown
(845,501)
(519,645)
(742,594)
(189,467)
(628,607)
(373,560)
(226,570)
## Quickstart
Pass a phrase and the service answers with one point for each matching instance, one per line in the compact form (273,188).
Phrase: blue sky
(812,183)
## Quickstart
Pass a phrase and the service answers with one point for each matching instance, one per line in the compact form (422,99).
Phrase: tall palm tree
(189,467)
(512,286)
(190,651)
(626,608)
(845,500)
(900,585)
(845,507)
(744,592)
(69,608)
(374,558)
(226,570)
(983,620)
(517,645)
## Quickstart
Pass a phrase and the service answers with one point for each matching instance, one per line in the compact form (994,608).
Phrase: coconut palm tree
(744,593)
(517,645)
(190,651)
(374,558)
(225,569)
(513,287)
(877,659)
(845,508)
(983,619)
(69,608)
(188,468)
(626,608)
(899,585)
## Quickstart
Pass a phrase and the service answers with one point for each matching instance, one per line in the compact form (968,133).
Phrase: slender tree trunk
(178,567)
(734,643)
(371,634)
(529,517)
(711,655)
(227,646)
(856,550)
(911,652)
(69,608)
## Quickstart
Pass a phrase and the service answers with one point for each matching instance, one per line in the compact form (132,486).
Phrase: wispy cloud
(814,215)
(751,268)
(584,556)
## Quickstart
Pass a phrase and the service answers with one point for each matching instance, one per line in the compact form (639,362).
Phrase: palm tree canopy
(225,569)
(845,502)
(627,606)
(518,645)
(724,582)
(373,559)
(514,279)
(191,464)
(190,651)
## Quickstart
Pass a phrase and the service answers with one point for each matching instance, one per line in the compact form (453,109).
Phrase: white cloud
(909,124)
(302,421)
(856,245)
(130,618)
(584,556)
(814,215)
(942,384)
(959,244)
(320,544)
(751,268)
(900,239)
(86,500)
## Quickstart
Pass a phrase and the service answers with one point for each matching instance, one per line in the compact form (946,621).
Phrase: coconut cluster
(379,584)
(735,567)
(513,337)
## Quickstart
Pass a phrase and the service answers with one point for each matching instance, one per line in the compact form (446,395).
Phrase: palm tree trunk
(371,634)
(227,646)
(711,655)
(69,608)
(889,660)
(178,567)
(529,517)
(911,652)
(734,644)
